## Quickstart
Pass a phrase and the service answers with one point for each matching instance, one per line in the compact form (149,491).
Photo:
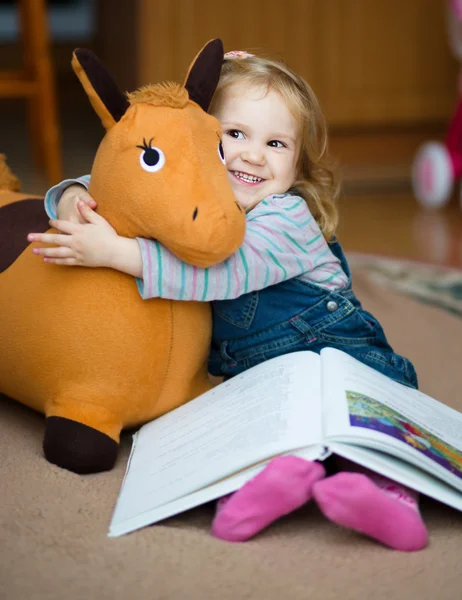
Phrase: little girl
(288,288)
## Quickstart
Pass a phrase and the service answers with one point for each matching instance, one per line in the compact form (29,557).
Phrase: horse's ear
(109,103)
(204,73)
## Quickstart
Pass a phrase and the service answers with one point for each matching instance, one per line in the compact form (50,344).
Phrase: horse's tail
(8,181)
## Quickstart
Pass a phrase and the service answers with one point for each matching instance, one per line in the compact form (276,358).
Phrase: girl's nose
(254,157)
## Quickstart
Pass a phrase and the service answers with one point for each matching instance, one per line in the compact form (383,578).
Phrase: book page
(271,409)
(400,471)
(366,408)
(206,494)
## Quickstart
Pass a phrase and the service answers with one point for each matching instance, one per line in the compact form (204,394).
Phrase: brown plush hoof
(77,447)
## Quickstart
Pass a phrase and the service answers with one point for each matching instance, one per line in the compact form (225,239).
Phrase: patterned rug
(428,283)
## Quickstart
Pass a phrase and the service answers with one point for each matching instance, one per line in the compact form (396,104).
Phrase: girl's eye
(236,134)
(151,159)
(221,154)
(276,144)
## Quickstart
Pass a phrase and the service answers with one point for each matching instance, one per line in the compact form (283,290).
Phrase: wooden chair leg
(42,109)
(35,137)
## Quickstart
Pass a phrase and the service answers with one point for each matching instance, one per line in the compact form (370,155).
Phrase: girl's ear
(109,103)
(204,73)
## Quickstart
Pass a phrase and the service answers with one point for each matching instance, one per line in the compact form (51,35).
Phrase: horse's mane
(168,93)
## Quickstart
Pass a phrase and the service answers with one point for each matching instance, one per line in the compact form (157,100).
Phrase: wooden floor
(378,213)
(393,224)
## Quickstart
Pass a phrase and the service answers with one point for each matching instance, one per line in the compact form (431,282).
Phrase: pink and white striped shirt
(282,241)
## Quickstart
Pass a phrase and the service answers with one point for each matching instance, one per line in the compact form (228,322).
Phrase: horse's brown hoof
(77,447)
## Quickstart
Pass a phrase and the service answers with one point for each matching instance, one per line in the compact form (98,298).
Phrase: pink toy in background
(438,165)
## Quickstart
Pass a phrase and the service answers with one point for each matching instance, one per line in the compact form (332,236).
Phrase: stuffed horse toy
(80,345)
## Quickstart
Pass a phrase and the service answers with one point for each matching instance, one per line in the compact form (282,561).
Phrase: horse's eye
(152,159)
(221,154)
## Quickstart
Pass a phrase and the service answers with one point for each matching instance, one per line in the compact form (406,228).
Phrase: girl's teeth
(245,177)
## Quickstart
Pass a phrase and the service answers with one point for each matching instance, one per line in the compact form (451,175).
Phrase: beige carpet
(53,524)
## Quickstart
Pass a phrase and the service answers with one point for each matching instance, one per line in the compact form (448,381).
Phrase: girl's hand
(67,209)
(90,244)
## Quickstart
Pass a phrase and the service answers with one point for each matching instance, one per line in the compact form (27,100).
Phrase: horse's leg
(78,447)
(81,437)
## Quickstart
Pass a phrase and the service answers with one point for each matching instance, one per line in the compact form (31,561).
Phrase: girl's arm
(282,241)
(94,243)
(96,246)
(61,200)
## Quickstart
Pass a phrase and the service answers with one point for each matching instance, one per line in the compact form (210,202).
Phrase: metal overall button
(331,306)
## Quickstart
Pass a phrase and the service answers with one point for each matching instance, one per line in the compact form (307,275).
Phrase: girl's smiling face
(260,142)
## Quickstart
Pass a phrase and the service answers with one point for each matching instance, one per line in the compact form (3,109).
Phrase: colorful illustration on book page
(371,414)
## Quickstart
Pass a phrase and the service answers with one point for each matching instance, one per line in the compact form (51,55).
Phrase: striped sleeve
(54,194)
(281,236)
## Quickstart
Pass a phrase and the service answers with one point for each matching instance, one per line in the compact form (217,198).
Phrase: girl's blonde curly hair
(316,182)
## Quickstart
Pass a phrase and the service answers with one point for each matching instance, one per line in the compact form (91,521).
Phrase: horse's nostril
(195,213)
(239,207)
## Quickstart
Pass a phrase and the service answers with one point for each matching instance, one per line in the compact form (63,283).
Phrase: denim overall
(297,315)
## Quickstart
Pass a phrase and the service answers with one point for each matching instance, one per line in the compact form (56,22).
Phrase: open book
(303,404)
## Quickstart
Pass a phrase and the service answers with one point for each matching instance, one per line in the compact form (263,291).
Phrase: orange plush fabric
(80,345)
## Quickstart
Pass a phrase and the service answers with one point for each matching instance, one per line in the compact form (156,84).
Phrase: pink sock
(282,487)
(373,505)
